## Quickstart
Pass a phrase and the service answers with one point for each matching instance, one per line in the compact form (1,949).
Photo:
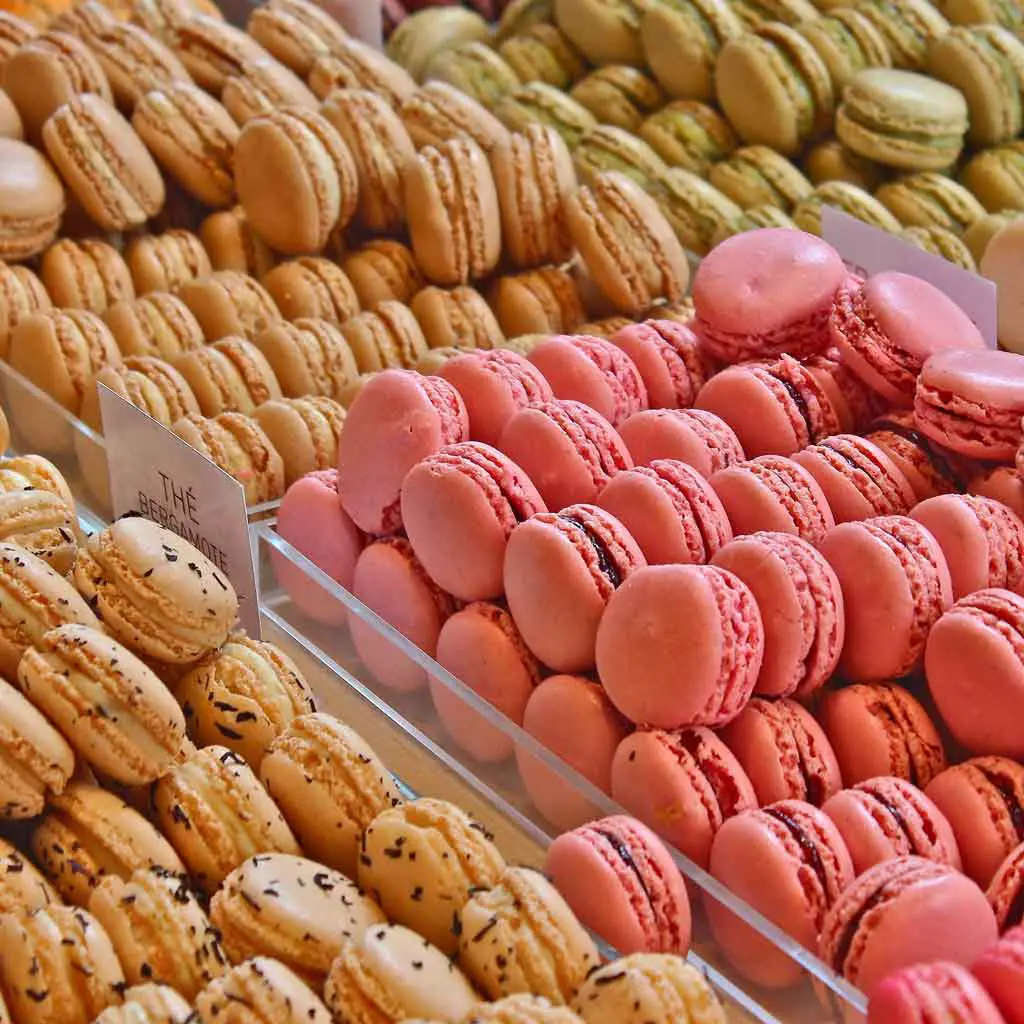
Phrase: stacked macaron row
(274,863)
(720,591)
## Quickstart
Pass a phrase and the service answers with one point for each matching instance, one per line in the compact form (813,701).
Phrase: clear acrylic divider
(318,616)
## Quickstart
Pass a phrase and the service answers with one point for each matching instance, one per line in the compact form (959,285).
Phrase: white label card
(867,250)
(155,473)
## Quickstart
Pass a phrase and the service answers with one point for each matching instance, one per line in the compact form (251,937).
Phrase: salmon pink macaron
(671,359)
(1000,969)
(939,991)
(767,292)
(459,507)
(622,883)
(854,402)
(671,622)
(592,370)
(929,470)
(1006,891)
(888,326)
(789,862)
(700,439)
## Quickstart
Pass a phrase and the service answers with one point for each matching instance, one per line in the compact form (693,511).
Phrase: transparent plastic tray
(43,427)
(291,587)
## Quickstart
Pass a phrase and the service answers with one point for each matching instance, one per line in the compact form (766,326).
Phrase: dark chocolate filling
(853,925)
(808,847)
(1004,787)
(605,561)
(626,856)
(1015,912)
(915,437)
(800,402)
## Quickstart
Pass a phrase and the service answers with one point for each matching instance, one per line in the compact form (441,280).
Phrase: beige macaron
(269,992)
(163,263)
(354,64)
(264,85)
(149,384)
(295,32)
(438,112)
(88,274)
(383,270)
(87,833)
(311,286)
(386,337)
(32,201)
(309,357)
(304,431)
(22,888)
(456,317)
(213,51)
(232,244)
(148,1004)
(231,375)
(157,324)
(543,301)
(22,295)
(217,814)
(228,302)
(37,510)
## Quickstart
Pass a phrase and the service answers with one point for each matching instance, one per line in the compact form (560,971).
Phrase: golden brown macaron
(22,886)
(830,160)
(264,85)
(90,17)
(21,294)
(163,263)
(296,179)
(437,112)
(380,146)
(237,444)
(543,301)
(160,17)
(689,134)
(13,32)
(386,337)
(619,95)
(156,324)
(309,356)
(230,375)
(456,317)
(229,302)
(32,201)
(104,163)
(213,51)
(304,431)
(148,1004)
(48,71)
(243,696)
(542,53)
(232,244)
(11,126)
(60,351)
(193,138)
(90,274)
(295,32)
(604,31)
(534,176)
(311,286)
(37,510)
(357,65)
(452,207)
(381,270)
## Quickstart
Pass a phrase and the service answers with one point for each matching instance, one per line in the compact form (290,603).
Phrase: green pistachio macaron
(930,200)
(423,35)
(752,220)
(830,160)
(1008,13)
(754,13)
(604,31)
(774,88)
(983,230)
(689,134)
(986,63)
(847,42)
(618,95)
(538,103)
(848,198)
(695,209)
(681,40)
(475,69)
(758,176)
(996,177)
(542,53)
(942,242)
(909,27)
(607,148)
(519,15)
(903,120)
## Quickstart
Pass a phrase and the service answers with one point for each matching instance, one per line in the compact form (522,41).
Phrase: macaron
(38,510)
(759,176)
(354,64)
(475,69)
(213,50)
(262,85)
(618,95)
(697,212)
(929,470)
(700,439)
(311,286)
(948,987)
(829,160)
(929,199)
(607,148)
(943,243)
(688,134)
(229,303)
(671,360)
(541,301)
(304,432)
(542,53)
(998,970)
(1004,891)
(295,32)
(25,294)
(848,198)
(847,42)
(308,356)
(164,262)
(540,103)
(232,244)
(148,1004)
(438,112)
(33,201)
(456,317)
(382,270)
(88,275)
(269,992)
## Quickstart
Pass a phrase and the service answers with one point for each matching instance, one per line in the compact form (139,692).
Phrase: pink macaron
(670,509)
(588,747)
(1006,890)
(622,883)
(789,862)
(561,570)
(767,292)
(1000,969)
(854,402)
(459,506)
(669,623)
(974,663)
(902,912)
(895,586)
(888,326)
(972,402)
(482,648)
(1004,483)
(494,386)
(929,470)
(682,784)
(700,439)
(983,799)
(671,360)
(801,605)
(591,370)
(776,408)
(932,992)
(312,520)
(567,449)
(886,817)
(881,729)
(776,494)
(784,752)
(397,419)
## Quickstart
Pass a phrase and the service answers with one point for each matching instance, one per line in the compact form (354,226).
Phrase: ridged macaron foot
(269,991)
(901,912)
(304,431)
(456,317)
(886,817)
(803,866)
(88,833)
(157,324)
(159,930)
(881,729)
(619,95)
(909,27)
(944,988)
(443,857)
(295,32)
(758,176)
(1006,891)
(519,922)
(23,294)
(33,201)
(999,971)
(668,616)
(230,375)
(847,42)
(148,1004)
(104,163)
(37,510)
(309,357)
(89,274)
(212,50)
(929,470)
(386,337)
(292,909)
(264,84)
(541,301)
(353,64)
(118,714)
(229,302)
(540,103)
(311,286)
(155,592)
(700,439)
(162,263)
(931,200)
(607,148)
(437,113)
(643,906)
(381,270)
(149,384)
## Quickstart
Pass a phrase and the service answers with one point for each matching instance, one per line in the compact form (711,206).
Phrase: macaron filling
(809,850)
(721,797)
(855,460)
(932,457)
(740,646)
(601,556)
(965,420)
(910,754)
(1006,893)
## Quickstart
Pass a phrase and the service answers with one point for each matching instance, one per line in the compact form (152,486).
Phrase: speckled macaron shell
(148,1004)
(269,991)
(22,886)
